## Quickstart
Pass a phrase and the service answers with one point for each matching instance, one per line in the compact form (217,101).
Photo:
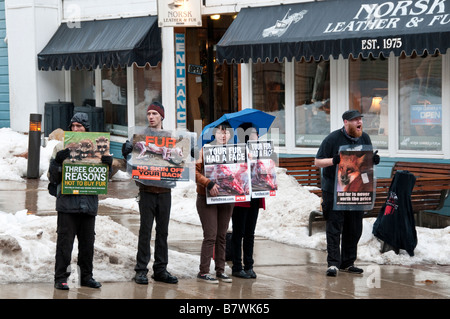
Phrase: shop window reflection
(147,89)
(114,100)
(312,102)
(269,96)
(83,87)
(420,102)
(368,85)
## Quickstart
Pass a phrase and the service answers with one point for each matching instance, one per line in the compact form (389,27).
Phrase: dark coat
(395,223)
(87,204)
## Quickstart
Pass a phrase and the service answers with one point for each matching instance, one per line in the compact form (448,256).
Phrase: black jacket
(86,204)
(330,147)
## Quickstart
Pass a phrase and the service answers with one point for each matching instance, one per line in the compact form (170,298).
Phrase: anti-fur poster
(263,159)
(355,182)
(160,158)
(83,171)
(227,166)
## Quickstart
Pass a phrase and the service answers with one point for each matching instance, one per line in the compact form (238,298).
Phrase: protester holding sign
(245,216)
(76,217)
(214,218)
(154,204)
(341,222)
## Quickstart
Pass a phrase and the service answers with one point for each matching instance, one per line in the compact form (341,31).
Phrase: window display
(368,93)
(312,103)
(420,103)
(268,95)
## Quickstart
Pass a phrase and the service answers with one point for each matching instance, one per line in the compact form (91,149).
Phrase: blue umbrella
(259,119)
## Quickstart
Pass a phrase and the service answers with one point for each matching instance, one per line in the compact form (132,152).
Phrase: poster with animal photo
(227,166)
(263,159)
(159,157)
(355,182)
(83,172)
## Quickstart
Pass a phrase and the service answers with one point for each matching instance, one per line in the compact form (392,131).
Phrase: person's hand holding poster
(83,172)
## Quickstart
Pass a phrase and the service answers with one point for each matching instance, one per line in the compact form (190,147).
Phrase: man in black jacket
(347,223)
(76,217)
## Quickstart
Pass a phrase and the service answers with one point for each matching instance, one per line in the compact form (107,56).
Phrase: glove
(336,159)
(376,158)
(127,147)
(62,155)
(106,159)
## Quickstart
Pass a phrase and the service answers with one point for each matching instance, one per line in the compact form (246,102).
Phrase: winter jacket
(86,204)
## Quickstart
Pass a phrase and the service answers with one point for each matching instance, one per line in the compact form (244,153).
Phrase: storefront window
(83,87)
(114,100)
(420,100)
(369,95)
(268,94)
(312,103)
(147,89)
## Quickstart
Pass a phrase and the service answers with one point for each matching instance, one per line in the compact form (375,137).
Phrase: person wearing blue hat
(341,225)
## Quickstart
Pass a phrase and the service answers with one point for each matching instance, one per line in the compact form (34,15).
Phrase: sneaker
(61,285)
(224,278)
(352,269)
(141,278)
(91,283)
(165,277)
(332,271)
(251,273)
(207,278)
(240,274)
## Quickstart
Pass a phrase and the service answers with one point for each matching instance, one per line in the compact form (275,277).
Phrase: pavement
(284,272)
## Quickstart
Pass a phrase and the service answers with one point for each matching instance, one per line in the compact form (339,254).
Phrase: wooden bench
(430,190)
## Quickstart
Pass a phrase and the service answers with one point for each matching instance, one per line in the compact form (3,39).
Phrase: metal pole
(34,145)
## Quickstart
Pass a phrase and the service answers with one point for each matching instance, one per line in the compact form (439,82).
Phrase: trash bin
(57,115)
(96,117)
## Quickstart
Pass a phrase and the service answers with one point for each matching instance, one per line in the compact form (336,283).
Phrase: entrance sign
(179,13)
(83,172)
(180,79)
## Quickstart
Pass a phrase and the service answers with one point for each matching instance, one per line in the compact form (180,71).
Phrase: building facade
(399,80)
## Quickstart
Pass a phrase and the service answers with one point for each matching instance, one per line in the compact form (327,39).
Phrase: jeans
(243,236)
(215,220)
(153,206)
(70,225)
(343,231)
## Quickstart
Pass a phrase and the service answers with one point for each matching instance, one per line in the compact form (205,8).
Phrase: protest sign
(262,160)
(355,183)
(83,172)
(227,166)
(161,157)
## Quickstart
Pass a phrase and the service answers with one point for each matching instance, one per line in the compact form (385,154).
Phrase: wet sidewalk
(284,271)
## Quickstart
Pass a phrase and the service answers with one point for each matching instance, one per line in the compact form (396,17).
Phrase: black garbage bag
(395,223)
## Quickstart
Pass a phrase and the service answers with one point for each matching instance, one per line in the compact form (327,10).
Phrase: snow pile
(27,242)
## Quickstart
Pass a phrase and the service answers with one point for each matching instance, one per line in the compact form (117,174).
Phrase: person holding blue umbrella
(244,218)
(214,218)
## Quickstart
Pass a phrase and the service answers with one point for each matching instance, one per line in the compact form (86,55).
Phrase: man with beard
(345,223)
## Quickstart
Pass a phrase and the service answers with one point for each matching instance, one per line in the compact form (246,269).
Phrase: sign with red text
(160,156)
